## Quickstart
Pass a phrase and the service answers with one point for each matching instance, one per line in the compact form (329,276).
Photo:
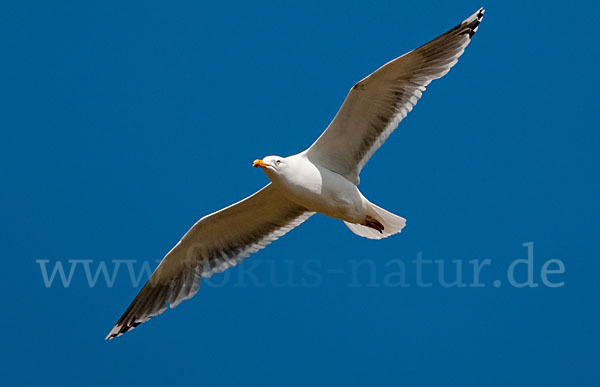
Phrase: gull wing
(375,106)
(216,242)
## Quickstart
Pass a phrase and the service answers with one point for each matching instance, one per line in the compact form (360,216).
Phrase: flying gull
(323,179)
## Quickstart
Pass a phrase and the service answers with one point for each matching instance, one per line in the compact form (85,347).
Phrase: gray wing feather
(375,106)
(215,243)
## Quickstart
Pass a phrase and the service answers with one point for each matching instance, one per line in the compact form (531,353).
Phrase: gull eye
(278,162)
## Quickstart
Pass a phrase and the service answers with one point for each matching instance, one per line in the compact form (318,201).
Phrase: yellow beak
(259,163)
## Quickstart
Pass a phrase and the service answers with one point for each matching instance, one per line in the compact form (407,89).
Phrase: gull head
(271,163)
(281,170)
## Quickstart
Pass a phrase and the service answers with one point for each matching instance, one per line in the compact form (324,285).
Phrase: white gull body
(316,188)
(319,189)
(323,178)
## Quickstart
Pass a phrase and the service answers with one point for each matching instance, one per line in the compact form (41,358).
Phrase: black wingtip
(118,330)
(473,22)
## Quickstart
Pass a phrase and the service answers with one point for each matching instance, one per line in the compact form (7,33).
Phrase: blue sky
(122,124)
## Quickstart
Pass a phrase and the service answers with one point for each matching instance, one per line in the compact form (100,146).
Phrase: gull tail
(379,224)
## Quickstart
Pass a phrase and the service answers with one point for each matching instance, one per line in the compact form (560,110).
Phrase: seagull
(324,178)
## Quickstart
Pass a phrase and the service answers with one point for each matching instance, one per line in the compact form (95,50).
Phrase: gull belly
(319,189)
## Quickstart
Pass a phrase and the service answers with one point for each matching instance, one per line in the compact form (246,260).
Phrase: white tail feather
(392,224)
